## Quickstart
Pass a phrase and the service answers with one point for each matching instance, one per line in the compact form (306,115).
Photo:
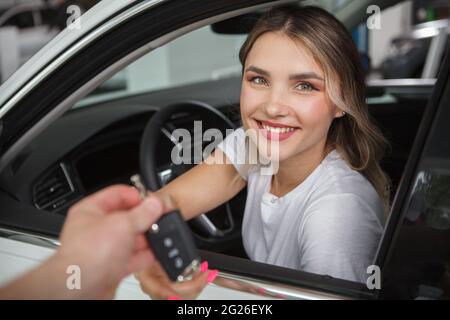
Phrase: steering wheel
(154,176)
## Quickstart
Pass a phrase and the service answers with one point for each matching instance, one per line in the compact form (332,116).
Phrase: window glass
(420,264)
(201,55)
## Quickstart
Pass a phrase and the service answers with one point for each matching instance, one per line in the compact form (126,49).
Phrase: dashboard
(110,156)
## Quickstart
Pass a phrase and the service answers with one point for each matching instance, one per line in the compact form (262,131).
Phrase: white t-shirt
(329,224)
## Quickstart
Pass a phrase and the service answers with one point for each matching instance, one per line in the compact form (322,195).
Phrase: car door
(415,252)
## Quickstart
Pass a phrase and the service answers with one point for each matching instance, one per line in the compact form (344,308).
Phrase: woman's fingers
(191,289)
(155,282)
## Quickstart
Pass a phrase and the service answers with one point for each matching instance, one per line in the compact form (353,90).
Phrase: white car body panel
(18,257)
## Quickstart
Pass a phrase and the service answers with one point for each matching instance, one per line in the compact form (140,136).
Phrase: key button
(155,228)
(178,263)
(168,242)
(173,253)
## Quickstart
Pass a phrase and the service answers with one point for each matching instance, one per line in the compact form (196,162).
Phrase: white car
(60,142)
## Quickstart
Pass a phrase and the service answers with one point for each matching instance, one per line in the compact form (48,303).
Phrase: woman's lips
(275,136)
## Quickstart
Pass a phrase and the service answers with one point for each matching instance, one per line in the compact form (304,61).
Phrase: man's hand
(104,235)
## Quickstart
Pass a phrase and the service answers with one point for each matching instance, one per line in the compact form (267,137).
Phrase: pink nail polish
(204,266)
(174,298)
(212,275)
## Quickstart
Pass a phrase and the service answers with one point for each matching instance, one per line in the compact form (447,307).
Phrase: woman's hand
(155,282)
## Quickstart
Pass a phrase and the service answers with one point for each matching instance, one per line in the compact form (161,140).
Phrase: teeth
(278,130)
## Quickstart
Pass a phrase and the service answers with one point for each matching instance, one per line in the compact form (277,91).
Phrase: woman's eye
(258,80)
(305,86)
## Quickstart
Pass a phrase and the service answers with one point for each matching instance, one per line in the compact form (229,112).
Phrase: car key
(172,242)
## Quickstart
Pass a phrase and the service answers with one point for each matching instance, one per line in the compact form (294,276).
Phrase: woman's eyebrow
(298,76)
(305,76)
(258,70)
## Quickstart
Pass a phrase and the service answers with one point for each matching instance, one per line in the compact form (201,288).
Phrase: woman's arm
(199,190)
(204,187)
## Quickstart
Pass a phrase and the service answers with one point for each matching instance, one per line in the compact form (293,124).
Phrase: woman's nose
(276,106)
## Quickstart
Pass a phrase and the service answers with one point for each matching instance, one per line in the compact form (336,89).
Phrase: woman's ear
(339,113)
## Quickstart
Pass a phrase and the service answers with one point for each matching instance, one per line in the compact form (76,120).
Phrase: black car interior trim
(398,208)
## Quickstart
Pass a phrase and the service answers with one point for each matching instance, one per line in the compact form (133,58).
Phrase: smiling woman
(330,80)
(303,88)
(321,209)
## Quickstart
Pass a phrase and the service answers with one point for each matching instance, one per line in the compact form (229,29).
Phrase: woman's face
(283,97)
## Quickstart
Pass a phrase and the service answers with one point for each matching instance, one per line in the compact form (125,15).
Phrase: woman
(322,211)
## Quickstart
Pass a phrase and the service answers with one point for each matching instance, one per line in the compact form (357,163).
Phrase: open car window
(199,56)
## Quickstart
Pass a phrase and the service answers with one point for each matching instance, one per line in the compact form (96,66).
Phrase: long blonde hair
(355,136)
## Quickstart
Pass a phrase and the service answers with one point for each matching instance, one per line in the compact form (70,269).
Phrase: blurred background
(27,25)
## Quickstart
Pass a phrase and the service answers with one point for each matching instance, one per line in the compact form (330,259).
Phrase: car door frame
(403,197)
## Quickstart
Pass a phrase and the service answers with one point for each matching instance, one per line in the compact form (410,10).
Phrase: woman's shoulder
(342,188)
(340,178)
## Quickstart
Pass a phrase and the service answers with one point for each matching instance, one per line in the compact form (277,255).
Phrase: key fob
(174,246)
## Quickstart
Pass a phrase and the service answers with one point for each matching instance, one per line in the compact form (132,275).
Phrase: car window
(419,267)
(201,55)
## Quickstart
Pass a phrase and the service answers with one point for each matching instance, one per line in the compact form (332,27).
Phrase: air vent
(52,191)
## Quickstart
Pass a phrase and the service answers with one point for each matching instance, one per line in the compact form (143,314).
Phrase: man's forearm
(48,281)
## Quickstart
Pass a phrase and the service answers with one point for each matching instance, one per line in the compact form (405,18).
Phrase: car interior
(97,143)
